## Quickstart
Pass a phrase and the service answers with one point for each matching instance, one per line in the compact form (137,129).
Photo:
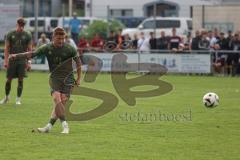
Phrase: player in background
(60,56)
(17,41)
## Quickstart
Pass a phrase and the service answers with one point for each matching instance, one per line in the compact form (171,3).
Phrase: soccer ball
(210,100)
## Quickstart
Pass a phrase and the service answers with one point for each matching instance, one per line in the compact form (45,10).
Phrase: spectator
(174,41)
(195,41)
(220,58)
(119,39)
(162,42)
(42,40)
(70,41)
(126,44)
(143,43)
(204,43)
(188,42)
(75,25)
(233,58)
(97,43)
(135,41)
(222,42)
(235,43)
(111,37)
(126,37)
(212,39)
(152,41)
(229,39)
(216,33)
(82,45)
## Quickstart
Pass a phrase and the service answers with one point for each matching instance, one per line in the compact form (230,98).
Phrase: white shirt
(72,43)
(143,45)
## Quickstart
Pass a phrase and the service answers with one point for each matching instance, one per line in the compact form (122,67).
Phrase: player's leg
(60,101)
(64,99)
(7,91)
(52,121)
(11,73)
(57,112)
(20,73)
(19,90)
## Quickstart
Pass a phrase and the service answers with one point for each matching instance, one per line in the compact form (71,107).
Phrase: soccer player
(17,41)
(60,56)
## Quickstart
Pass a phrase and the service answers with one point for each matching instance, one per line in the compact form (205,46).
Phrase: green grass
(210,134)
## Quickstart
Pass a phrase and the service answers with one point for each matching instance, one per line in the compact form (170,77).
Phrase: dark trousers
(75,37)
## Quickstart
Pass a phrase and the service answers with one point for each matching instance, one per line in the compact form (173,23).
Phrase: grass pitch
(127,132)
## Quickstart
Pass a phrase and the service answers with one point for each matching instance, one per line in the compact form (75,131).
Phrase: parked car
(182,25)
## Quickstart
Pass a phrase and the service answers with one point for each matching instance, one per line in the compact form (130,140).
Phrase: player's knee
(56,97)
(64,99)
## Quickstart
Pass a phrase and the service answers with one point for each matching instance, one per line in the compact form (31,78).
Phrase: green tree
(102,28)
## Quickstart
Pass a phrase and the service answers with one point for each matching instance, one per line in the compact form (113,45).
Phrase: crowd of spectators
(224,47)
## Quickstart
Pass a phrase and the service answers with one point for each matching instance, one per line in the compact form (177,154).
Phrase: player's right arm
(25,55)
(6,53)
(28,55)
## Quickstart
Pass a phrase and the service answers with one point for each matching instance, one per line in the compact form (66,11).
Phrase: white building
(140,8)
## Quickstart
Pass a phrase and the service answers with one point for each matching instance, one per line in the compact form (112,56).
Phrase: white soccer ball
(211,100)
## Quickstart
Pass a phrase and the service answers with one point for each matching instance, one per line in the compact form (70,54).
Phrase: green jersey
(18,42)
(59,59)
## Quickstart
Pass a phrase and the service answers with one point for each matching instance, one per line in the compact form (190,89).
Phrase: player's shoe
(18,101)
(65,128)
(45,129)
(4,100)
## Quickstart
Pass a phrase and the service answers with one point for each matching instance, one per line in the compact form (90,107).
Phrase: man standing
(143,43)
(174,41)
(162,42)
(75,27)
(17,41)
(60,56)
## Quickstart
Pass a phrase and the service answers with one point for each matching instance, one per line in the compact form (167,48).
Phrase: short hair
(59,31)
(43,35)
(21,21)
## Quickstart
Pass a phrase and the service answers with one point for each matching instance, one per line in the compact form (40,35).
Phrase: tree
(102,28)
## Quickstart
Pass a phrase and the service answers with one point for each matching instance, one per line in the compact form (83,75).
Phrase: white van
(182,25)
(45,24)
